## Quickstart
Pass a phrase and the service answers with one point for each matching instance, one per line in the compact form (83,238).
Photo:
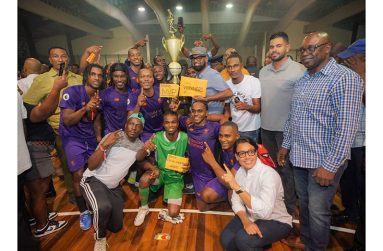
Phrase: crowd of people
(105,122)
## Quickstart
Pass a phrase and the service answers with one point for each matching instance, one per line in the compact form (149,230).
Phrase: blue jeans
(234,236)
(315,207)
(251,134)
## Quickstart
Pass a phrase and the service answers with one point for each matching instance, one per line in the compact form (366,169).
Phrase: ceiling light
(179,7)
(229,5)
(141,9)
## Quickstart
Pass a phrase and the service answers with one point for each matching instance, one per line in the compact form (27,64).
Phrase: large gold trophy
(173,46)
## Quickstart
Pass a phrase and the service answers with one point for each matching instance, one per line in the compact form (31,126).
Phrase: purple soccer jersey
(197,135)
(134,86)
(152,112)
(229,159)
(74,98)
(113,106)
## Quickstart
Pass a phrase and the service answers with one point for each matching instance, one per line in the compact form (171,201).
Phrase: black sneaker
(189,189)
(51,216)
(51,227)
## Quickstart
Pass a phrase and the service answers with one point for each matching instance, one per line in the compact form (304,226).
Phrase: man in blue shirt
(217,89)
(321,126)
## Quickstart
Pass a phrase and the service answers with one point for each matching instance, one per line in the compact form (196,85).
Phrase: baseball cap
(358,47)
(138,116)
(201,51)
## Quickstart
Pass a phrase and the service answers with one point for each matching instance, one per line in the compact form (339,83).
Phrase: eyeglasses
(199,58)
(310,49)
(251,152)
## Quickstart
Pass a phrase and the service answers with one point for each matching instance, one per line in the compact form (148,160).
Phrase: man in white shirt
(245,104)
(107,166)
(31,69)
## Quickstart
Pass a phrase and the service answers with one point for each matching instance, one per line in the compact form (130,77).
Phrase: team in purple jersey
(148,102)
(114,101)
(79,107)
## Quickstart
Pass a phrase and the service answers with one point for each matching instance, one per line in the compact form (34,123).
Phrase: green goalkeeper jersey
(165,147)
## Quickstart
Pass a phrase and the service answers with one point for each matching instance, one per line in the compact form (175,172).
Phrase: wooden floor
(197,232)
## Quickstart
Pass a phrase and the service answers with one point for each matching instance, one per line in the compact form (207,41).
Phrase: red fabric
(264,156)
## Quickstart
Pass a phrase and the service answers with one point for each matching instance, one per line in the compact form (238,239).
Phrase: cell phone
(181,22)
(62,67)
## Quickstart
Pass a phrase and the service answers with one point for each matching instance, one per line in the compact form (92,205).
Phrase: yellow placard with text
(176,163)
(190,87)
(169,90)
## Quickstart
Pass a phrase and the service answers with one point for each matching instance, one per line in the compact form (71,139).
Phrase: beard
(199,67)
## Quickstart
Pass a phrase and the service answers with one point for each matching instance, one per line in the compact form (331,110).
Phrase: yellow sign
(169,90)
(176,163)
(193,87)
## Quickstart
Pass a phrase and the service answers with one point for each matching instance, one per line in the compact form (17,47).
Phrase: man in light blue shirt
(319,131)
(217,89)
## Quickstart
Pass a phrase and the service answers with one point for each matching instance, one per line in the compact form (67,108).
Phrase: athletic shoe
(51,216)
(85,220)
(163,215)
(100,244)
(140,217)
(51,227)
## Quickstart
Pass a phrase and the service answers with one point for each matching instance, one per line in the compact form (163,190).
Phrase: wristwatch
(239,190)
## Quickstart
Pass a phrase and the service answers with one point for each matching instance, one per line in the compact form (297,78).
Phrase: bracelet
(103,149)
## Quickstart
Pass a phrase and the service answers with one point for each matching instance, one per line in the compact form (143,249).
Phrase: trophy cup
(173,46)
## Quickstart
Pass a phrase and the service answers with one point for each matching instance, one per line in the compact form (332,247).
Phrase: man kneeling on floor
(107,166)
(165,143)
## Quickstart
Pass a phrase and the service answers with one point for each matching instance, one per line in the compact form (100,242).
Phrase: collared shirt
(42,86)
(324,117)
(265,187)
(360,137)
(25,83)
(215,84)
(277,91)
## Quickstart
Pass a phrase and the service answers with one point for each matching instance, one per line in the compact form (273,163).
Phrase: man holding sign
(170,146)
(217,89)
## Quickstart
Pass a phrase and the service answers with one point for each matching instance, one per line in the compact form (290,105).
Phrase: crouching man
(107,166)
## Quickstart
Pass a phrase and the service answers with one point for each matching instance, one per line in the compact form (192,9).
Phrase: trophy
(173,46)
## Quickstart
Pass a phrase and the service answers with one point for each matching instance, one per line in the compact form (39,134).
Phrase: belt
(42,143)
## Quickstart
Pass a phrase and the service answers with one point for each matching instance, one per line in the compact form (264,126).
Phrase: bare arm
(98,156)
(216,46)
(49,105)
(98,127)
(255,108)
(96,49)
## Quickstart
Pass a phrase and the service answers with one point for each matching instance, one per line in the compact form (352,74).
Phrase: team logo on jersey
(206,130)
(128,101)
(72,162)
(82,103)
(66,96)
(117,99)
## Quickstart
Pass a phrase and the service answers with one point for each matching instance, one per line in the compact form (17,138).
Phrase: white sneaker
(163,215)
(100,244)
(140,217)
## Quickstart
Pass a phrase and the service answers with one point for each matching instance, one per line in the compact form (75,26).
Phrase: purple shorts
(78,151)
(200,184)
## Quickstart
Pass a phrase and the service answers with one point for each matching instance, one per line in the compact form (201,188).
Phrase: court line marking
(196,211)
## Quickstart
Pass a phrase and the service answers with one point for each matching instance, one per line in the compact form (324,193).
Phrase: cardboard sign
(190,87)
(176,163)
(169,90)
